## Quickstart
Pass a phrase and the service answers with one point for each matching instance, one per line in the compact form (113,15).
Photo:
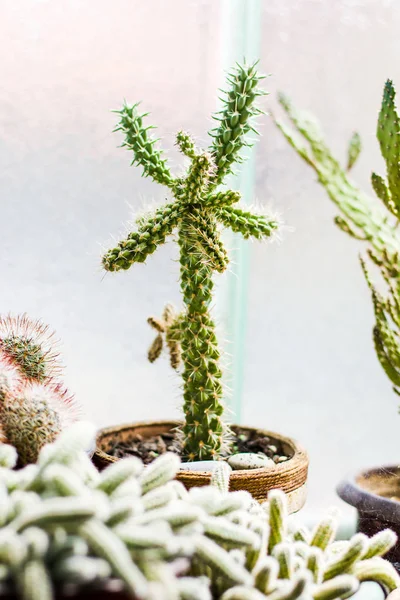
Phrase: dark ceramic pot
(375,493)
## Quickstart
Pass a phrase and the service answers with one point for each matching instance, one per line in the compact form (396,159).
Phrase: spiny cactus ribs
(364,218)
(63,522)
(197,212)
(34,405)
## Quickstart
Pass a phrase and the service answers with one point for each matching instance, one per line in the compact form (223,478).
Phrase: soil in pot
(287,471)
(148,448)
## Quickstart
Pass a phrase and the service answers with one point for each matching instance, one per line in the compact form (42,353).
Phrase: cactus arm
(221,199)
(368,220)
(142,144)
(217,558)
(141,243)
(159,472)
(241,592)
(277,511)
(63,511)
(118,473)
(198,177)
(324,532)
(207,240)
(220,479)
(266,575)
(246,223)
(235,119)
(378,570)
(109,547)
(353,150)
(284,554)
(342,586)
(380,543)
(186,144)
(343,563)
(33,581)
(387,133)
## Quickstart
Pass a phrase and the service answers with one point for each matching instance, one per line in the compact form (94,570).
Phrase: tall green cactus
(62,522)
(197,211)
(363,217)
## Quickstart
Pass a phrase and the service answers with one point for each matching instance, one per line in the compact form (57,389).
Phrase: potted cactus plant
(35,406)
(130,532)
(200,206)
(374,492)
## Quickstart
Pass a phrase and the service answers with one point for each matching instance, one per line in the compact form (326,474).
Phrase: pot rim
(366,502)
(300,456)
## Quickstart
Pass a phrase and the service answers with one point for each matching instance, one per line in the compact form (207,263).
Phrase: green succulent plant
(34,405)
(62,522)
(372,220)
(200,207)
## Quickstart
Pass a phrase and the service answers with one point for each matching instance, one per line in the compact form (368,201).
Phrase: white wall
(65,188)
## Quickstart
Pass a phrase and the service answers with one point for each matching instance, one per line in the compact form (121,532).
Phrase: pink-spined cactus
(35,407)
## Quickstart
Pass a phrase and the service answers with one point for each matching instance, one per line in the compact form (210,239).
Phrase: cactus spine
(364,218)
(197,212)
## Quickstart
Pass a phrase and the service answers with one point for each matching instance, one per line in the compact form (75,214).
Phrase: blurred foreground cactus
(364,218)
(63,522)
(34,405)
(200,207)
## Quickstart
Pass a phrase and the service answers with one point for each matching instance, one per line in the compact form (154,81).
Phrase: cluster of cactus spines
(197,212)
(363,218)
(64,522)
(34,405)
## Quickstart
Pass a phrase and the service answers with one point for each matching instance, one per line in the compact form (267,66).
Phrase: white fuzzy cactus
(61,521)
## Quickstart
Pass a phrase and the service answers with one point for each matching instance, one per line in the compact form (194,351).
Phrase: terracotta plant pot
(290,476)
(372,493)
